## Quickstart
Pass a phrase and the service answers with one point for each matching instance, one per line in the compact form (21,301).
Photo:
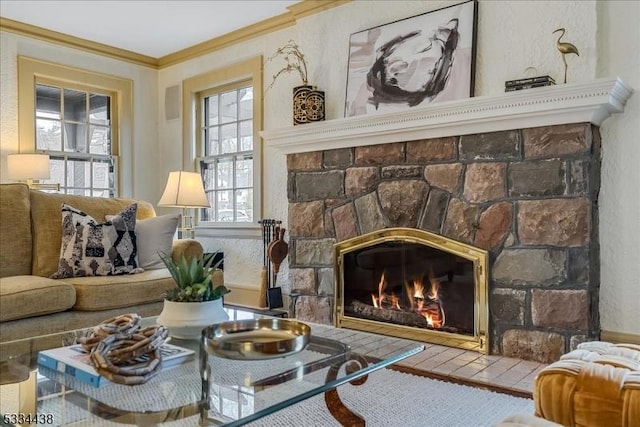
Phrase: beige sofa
(32,304)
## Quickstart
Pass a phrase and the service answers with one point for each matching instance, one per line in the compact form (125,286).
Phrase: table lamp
(184,190)
(30,168)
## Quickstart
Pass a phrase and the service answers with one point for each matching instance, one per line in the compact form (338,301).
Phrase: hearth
(405,281)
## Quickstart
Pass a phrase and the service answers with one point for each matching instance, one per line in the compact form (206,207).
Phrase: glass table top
(210,390)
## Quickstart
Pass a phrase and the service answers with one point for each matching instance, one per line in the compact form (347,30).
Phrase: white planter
(185,320)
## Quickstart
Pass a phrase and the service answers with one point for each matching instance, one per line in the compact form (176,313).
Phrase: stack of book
(74,361)
(530,82)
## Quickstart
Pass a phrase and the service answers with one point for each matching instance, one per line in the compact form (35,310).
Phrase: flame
(429,319)
(435,318)
(431,306)
(434,289)
(428,306)
(395,301)
(408,290)
(434,314)
(377,300)
(416,296)
(433,321)
(418,290)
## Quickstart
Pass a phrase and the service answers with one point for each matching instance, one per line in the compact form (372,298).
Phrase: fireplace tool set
(275,251)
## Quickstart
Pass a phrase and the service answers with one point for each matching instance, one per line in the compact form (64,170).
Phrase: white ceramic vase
(186,320)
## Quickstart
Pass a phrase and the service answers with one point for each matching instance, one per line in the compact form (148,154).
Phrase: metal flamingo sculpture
(565,49)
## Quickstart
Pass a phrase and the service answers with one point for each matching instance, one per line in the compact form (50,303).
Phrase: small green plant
(194,281)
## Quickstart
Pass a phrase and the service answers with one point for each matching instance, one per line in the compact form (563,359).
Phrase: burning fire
(429,306)
(392,301)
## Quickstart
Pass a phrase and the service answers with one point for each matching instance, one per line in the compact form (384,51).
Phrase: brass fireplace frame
(480,258)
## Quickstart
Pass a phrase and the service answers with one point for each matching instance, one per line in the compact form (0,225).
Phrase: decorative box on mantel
(516,175)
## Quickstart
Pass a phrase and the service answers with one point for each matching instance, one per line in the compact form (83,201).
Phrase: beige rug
(388,399)
(393,399)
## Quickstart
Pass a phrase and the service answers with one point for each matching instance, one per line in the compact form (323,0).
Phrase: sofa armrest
(187,247)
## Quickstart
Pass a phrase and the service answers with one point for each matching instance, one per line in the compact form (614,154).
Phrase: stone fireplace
(515,175)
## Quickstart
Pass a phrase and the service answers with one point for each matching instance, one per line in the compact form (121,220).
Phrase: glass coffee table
(232,393)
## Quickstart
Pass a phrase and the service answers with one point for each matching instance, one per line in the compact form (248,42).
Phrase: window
(83,120)
(227,165)
(223,116)
(73,126)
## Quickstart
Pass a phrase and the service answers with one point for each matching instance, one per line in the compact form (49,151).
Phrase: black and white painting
(412,62)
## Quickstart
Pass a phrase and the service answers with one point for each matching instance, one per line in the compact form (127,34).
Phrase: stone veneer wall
(528,196)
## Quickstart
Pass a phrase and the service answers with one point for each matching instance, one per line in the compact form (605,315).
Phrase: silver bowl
(256,339)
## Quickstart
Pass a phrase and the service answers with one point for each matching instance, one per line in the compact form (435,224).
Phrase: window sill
(234,231)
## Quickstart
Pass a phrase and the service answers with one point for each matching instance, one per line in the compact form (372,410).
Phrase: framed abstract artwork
(413,62)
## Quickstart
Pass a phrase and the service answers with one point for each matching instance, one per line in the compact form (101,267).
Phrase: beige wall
(619,55)
(512,35)
(138,170)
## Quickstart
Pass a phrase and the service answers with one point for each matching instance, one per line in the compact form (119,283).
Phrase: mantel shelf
(589,102)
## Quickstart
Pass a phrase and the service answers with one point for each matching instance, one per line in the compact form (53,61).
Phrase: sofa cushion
(15,230)
(106,292)
(30,296)
(46,218)
(90,248)
(51,330)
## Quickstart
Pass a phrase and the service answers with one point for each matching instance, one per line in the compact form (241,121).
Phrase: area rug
(390,398)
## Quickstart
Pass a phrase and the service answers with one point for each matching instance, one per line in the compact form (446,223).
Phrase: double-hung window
(227,164)
(223,118)
(74,126)
(83,120)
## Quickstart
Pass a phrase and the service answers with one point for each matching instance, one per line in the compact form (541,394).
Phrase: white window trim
(31,70)
(250,69)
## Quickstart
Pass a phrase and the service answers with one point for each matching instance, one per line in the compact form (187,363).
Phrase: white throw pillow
(155,237)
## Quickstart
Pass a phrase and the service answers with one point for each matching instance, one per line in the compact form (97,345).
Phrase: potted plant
(308,101)
(196,301)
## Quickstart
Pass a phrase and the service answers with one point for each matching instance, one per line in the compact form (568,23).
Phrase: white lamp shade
(21,167)
(184,190)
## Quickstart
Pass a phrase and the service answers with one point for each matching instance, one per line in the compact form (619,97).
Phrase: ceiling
(154,28)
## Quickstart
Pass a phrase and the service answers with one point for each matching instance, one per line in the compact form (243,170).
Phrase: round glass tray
(256,339)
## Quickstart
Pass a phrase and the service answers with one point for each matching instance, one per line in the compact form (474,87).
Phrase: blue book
(75,361)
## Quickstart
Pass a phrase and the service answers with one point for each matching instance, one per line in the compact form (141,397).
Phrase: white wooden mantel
(590,102)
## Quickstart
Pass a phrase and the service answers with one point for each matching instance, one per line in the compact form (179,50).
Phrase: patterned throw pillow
(93,249)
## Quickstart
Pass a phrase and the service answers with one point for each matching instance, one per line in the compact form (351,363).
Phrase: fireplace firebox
(413,283)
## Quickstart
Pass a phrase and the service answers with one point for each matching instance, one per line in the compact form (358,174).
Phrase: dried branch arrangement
(294,59)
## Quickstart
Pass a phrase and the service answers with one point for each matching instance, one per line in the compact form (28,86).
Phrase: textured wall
(619,55)
(138,172)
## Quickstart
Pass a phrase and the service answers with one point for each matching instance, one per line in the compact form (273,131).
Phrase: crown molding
(279,22)
(590,102)
(311,7)
(294,12)
(258,29)
(66,40)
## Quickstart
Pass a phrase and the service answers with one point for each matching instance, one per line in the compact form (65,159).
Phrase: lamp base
(35,184)
(186,233)
(186,230)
